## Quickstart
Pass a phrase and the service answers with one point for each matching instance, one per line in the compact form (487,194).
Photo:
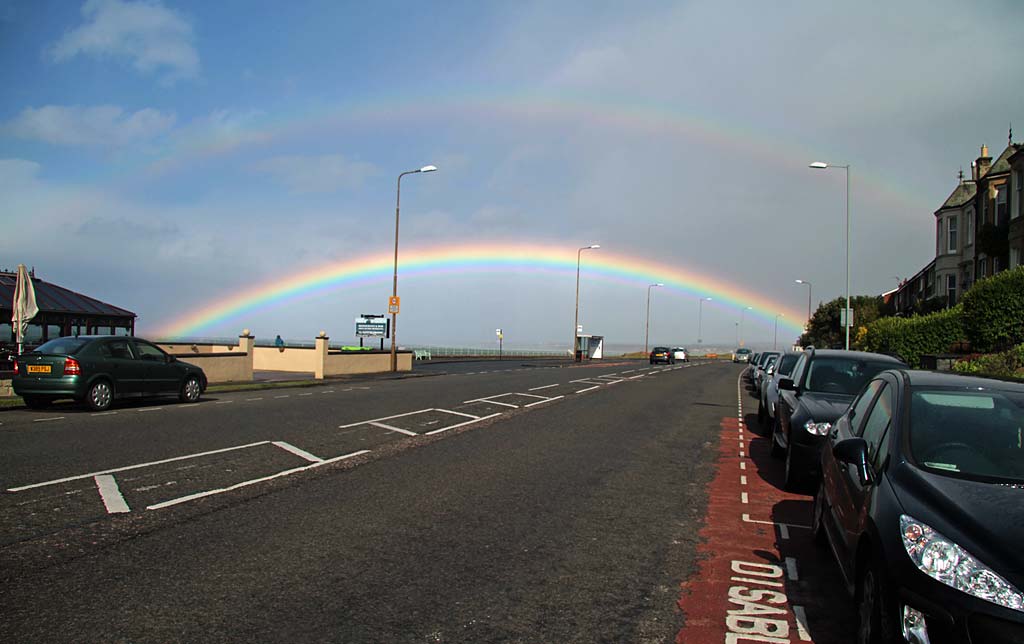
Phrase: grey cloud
(104,125)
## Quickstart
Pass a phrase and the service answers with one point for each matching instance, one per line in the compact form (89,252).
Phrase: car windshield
(785,367)
(975,433)
(65,346)
(840,375)
(743,351)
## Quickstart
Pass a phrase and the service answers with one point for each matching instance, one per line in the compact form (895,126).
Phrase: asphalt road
(572,520)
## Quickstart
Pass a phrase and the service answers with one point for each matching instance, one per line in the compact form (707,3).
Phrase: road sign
(497,332)
(393,304)
(375,326)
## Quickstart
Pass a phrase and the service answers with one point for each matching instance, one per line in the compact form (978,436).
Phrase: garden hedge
(910,338)
(994,311)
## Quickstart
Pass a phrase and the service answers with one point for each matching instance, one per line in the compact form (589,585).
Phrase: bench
(421,354)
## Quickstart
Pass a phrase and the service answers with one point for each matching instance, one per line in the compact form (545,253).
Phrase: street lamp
(808,301)
(821,165)
(394,284)
(647,325)
(576,320)
(775,342)
(743,313)
(700,315)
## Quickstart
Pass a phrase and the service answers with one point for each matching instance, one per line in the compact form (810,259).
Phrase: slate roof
(962,194)
(1002,164)
(51,298)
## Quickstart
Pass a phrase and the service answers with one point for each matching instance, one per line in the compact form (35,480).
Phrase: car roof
(921,378)
(856,355)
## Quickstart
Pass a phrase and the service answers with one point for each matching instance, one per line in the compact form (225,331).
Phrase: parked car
(662,354)
(741,355)
(920,500)
(679,353)
(752,368)
(97,369)
(760,366)
(823,383)
(770,387)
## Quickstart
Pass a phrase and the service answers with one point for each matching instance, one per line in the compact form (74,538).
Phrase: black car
(97,369)
(922,502)
(662,354)
(823,383)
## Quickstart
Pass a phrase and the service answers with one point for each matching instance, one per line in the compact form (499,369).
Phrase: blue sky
(158,155)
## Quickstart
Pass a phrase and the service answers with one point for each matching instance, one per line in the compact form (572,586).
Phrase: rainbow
(480,258)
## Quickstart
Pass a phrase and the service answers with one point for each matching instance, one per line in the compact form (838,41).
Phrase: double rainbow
(477,258)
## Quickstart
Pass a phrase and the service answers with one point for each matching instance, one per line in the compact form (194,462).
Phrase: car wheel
(876,624)
(190,390)
(794,479)
(776,450)
(818,518)
(36,402)
(100,396)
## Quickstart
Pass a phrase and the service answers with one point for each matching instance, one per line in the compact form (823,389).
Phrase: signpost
(500,338)
(370,325)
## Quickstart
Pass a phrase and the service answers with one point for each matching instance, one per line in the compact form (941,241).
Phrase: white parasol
(24,304)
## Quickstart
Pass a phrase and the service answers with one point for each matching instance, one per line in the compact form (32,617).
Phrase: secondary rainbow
(475,258)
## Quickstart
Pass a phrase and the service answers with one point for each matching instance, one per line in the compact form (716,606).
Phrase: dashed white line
(309,394)
(392,428)
(142,411)
(588,389)
(105,413)
(791,569)
(457,413)
(284,396)
(251,399)
(801,623)
(743,480)
(544,387)
(223,402)
(46,420)
(468,422)
(111,494)
(541,402)
(743,498)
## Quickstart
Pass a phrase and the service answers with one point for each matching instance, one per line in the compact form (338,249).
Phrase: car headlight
(945,561)
(819,429)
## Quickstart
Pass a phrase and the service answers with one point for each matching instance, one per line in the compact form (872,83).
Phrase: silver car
(783,368)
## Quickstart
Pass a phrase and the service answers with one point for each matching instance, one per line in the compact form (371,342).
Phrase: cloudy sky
(166,156)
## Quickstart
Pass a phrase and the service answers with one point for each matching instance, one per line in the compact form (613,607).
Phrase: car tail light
(71,367)
(15,367)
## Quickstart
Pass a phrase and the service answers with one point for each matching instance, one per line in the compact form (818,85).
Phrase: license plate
(39,368)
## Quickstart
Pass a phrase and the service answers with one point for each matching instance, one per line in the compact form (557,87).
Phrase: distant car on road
(741,355)
(823,383)
(97,369)
(679,353)
(662,354)
(920,500)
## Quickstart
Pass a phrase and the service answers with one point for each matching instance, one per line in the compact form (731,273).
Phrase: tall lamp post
(808,284)
(700,316)
(821,165)
(775,342)
(743,313)
(576,320)
(647,325)
(394,284)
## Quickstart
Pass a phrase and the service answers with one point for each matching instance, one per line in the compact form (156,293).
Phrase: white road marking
(111,494)
(457,413)
(224,402)
(142,411)
(329,391)
(541,402)
(588,389)
(309,394)
(468,422)
(635,377)
(743,480)
(200,495)
(493,402)
(743,498)
(105,413)
(284,396)
(46,420)
(133,467)
(544,387)
(743,465)
(791,569)
(801,623)
(393,428)
(254,398)
(364,422)
(301,453)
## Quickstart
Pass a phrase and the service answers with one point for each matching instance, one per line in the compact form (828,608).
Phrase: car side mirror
(854,451)
(787,384)
(171,358)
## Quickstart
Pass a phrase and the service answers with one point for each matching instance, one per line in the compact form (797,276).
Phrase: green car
(97,369)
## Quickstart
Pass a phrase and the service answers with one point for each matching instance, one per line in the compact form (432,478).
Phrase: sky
(173,158)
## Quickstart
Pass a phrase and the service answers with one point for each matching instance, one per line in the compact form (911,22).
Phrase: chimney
(982,164)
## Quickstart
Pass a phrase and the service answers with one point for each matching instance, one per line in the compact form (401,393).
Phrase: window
(951,235)
(969,225)
(120,349)
(938,236)
(1018,181)
(982,268)
(149,352)
(1002,215)
(951,290)
(861,405)
(1014,257)
(876,427)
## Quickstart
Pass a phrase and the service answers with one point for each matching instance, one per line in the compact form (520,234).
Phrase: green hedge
(1007,364)
(910,338)
(994,311)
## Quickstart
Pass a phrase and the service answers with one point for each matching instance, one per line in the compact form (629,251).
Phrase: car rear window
(66,346)
(969,433)
(842,375)
(787,364)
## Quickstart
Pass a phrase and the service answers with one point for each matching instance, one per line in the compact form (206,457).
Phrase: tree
(825,331)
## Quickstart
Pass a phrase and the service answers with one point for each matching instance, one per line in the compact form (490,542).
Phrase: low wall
(296,359)
(342,363)
(183,349)
(221,367)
